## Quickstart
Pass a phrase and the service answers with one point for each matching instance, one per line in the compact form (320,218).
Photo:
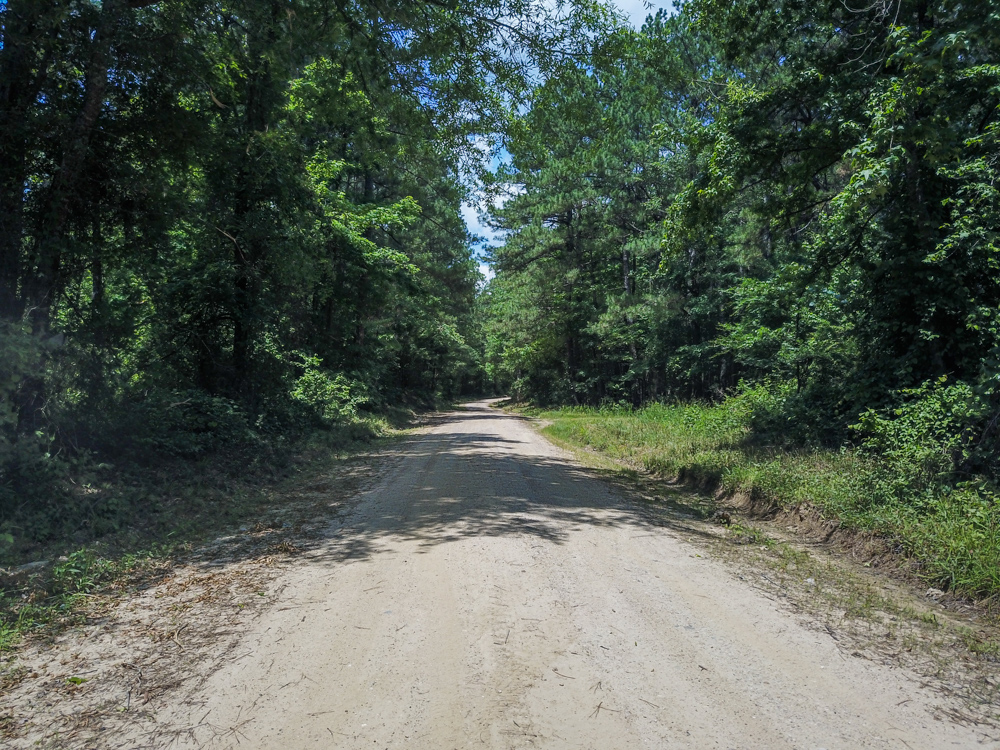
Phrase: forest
(225,227)
(777,223)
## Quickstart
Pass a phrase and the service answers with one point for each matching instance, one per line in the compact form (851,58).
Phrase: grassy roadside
(951,539)
(954,645)
(163,511)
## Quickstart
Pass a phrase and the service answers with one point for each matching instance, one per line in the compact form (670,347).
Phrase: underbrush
(105,522)
(94,447)
(146,492)
(906,478)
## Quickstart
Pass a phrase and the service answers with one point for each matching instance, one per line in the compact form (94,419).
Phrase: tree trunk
(252,192)
(629,286)
(43,286)
(20,83)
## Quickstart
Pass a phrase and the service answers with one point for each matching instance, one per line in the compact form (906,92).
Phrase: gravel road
(490,592)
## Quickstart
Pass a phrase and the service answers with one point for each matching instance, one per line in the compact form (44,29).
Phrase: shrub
(333,397)
(29,468)
(924,445)
(189,423)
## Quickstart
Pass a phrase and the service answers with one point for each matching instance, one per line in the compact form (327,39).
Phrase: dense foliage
(758,190)
(771,196)
(223,223)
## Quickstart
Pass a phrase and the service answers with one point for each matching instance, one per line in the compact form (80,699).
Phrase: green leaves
(195,194)
(334,398)
(822,185)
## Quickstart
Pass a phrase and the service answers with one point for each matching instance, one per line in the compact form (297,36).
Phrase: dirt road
(489,592)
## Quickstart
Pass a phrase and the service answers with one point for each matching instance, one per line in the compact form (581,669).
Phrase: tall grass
(951,533)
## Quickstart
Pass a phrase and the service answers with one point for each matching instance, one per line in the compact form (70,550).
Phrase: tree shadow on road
(458,483)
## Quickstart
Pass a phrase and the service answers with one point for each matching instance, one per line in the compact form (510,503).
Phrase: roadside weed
(951,534)
(743,534)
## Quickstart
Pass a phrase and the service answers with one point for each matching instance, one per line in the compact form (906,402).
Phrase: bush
(333,398)
(780,413)
(29,468)
(924,445)
(189,423)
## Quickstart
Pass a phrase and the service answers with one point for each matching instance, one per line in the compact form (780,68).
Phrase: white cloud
(474,223)
(488,235)
(638,10)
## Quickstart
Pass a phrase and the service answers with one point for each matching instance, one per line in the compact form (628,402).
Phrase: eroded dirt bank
(490,592)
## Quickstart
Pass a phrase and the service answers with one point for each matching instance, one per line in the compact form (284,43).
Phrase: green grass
(952,536)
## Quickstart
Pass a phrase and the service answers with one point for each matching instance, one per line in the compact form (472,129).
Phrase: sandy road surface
(488,592)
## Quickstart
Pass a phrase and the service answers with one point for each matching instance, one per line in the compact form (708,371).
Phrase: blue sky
(636,10)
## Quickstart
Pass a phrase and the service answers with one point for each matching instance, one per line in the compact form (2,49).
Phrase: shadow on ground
(479,474)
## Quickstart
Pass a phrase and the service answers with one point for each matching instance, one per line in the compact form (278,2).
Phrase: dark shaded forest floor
(159,511)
